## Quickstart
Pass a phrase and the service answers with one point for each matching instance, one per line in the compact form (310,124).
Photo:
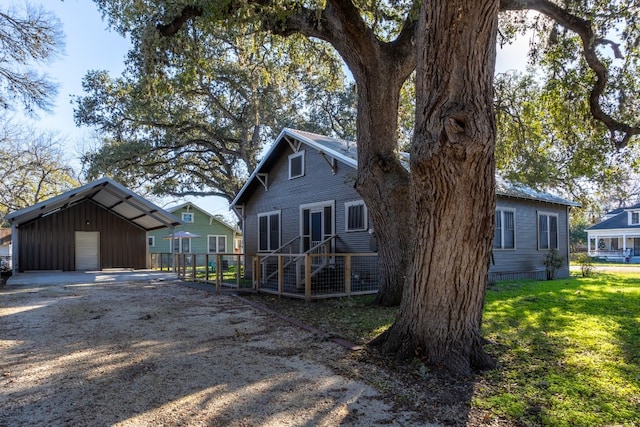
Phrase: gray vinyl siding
(320,184)
(526,257)
(285,195)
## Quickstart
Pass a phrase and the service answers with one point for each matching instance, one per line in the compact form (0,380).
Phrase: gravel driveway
(158,353)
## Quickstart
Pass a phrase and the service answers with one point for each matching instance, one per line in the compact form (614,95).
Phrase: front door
(87,250)
(636,246)
(317,225)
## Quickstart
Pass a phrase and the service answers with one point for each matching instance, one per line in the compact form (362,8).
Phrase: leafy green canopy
(547,135)
(191,117)
(586,51)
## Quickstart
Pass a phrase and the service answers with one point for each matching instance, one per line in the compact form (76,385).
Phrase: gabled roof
(619,220)
(346,151)
(174,209)
(108,194)
(340,149)
(620,210)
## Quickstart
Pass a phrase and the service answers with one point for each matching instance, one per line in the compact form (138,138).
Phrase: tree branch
(584,30)
(188,13)
(340,23)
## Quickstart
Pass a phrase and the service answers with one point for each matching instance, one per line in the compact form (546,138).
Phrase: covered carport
(98,226)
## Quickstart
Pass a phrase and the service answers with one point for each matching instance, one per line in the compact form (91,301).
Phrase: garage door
(87,250)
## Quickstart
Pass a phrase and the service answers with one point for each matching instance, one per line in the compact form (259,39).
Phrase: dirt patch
(159,353)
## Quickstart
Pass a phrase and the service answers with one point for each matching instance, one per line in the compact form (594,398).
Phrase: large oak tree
(192,118)
(435,223)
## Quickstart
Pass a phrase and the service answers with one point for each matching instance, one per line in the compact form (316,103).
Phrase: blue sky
(90,45)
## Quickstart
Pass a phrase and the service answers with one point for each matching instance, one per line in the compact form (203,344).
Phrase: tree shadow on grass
(568,351)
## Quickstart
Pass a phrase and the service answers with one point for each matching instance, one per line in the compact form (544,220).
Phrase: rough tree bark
(380,69)
(438,219)
(383,184)
(452,187)
(382,181)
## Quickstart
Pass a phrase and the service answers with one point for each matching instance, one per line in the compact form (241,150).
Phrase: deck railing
(611,253)
(221,270)
(321,257)
(345,274)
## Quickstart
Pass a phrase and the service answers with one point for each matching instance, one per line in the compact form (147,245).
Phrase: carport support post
(15,260)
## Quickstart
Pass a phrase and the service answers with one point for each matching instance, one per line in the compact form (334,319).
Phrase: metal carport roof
(107,193)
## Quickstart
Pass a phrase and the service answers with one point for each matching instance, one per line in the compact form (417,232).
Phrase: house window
(151,241)
(356,216)
(505,232)
(614,244)
(217,244)
(296,165)
(635,218)
(547,231)
(187,216)
(182,245)
(268,231)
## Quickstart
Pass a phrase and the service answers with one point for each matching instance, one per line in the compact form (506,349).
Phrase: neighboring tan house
(617,236)
(213,235)
(301,196)
(98,226)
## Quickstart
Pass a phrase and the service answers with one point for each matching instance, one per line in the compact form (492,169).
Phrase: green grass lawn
(568,350)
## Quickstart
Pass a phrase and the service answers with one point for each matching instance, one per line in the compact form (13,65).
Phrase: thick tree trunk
(452,187)
(382,180)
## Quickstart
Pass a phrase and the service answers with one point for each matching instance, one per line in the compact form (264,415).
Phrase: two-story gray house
(301,195)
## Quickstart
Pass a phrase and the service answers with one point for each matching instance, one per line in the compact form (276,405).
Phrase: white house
(617,236)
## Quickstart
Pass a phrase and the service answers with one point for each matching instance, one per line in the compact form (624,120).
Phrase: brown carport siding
(50,242)
(98,226)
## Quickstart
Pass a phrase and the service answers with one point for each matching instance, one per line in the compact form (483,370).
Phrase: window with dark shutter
(356,216)
(268,231)
(296,165)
